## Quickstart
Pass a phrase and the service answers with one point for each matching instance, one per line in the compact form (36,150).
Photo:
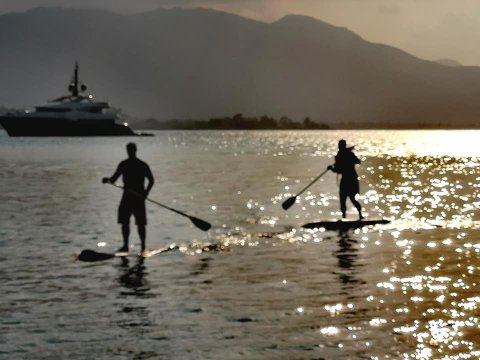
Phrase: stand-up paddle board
(344,225)
(93,256)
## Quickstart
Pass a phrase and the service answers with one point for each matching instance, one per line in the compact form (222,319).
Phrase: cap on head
(131,149)
(342,144)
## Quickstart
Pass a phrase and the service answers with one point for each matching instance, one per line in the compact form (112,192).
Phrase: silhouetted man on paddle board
(345,162)
(134,172)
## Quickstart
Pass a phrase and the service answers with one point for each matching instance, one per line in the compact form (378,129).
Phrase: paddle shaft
(313,181)
(152,201)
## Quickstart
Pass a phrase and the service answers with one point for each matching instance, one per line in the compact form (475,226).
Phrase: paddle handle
(312,182)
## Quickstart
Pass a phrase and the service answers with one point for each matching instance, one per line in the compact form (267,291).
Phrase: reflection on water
(132,277)
(346,255)
(264,288)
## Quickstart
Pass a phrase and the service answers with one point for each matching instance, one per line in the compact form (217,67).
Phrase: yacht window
(56,110)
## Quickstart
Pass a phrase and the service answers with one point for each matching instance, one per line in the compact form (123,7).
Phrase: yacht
(76,114)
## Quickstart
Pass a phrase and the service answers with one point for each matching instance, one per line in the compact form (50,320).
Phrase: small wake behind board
(94,256)
(148,253)
(344,225)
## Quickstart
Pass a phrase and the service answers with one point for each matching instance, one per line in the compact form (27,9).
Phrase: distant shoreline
(299,129)
(331,129)
(239,122)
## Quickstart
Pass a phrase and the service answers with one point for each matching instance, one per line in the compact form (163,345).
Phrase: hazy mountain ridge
(201,63)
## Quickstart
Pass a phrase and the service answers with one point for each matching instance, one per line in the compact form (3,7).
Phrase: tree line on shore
(236,122)
(240,122)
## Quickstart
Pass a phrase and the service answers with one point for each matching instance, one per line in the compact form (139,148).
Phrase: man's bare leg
(357,206)
(343,205)
(142,233)
(125,234)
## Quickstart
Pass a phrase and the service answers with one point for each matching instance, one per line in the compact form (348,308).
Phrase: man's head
(131,150)
(342,145)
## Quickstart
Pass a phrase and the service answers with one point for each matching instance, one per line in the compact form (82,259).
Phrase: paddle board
(93,256)
(344,225)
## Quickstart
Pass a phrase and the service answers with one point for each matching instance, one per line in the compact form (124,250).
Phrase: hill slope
(200,63)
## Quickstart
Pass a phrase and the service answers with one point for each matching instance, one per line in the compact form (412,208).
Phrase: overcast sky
(430,29)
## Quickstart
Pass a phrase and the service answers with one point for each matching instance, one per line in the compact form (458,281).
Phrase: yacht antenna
(75,81)
(76,86)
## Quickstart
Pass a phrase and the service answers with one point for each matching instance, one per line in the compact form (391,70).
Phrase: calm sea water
(406,290)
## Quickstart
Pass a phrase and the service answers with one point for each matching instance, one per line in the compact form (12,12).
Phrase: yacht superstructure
(76,114)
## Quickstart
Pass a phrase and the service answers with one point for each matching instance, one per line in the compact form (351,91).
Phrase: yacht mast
(75,81)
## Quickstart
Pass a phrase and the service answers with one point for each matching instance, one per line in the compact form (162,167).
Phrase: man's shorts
(349,187)
(135,206)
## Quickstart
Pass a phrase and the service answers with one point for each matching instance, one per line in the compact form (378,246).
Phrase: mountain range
(199,63)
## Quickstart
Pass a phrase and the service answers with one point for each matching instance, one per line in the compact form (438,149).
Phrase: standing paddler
(134,172)
(345,162)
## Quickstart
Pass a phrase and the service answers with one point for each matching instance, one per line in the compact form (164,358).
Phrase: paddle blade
(199,223)
(92,256)
(287,204)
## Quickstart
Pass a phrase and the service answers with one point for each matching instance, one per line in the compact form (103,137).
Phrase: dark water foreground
(406,290)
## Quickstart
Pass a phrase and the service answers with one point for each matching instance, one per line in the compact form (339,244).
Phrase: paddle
(287,204)
(199,223)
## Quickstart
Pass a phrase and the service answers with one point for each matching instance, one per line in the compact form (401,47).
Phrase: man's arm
(356,159)
(333,167)
(115,176)
(150,180)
